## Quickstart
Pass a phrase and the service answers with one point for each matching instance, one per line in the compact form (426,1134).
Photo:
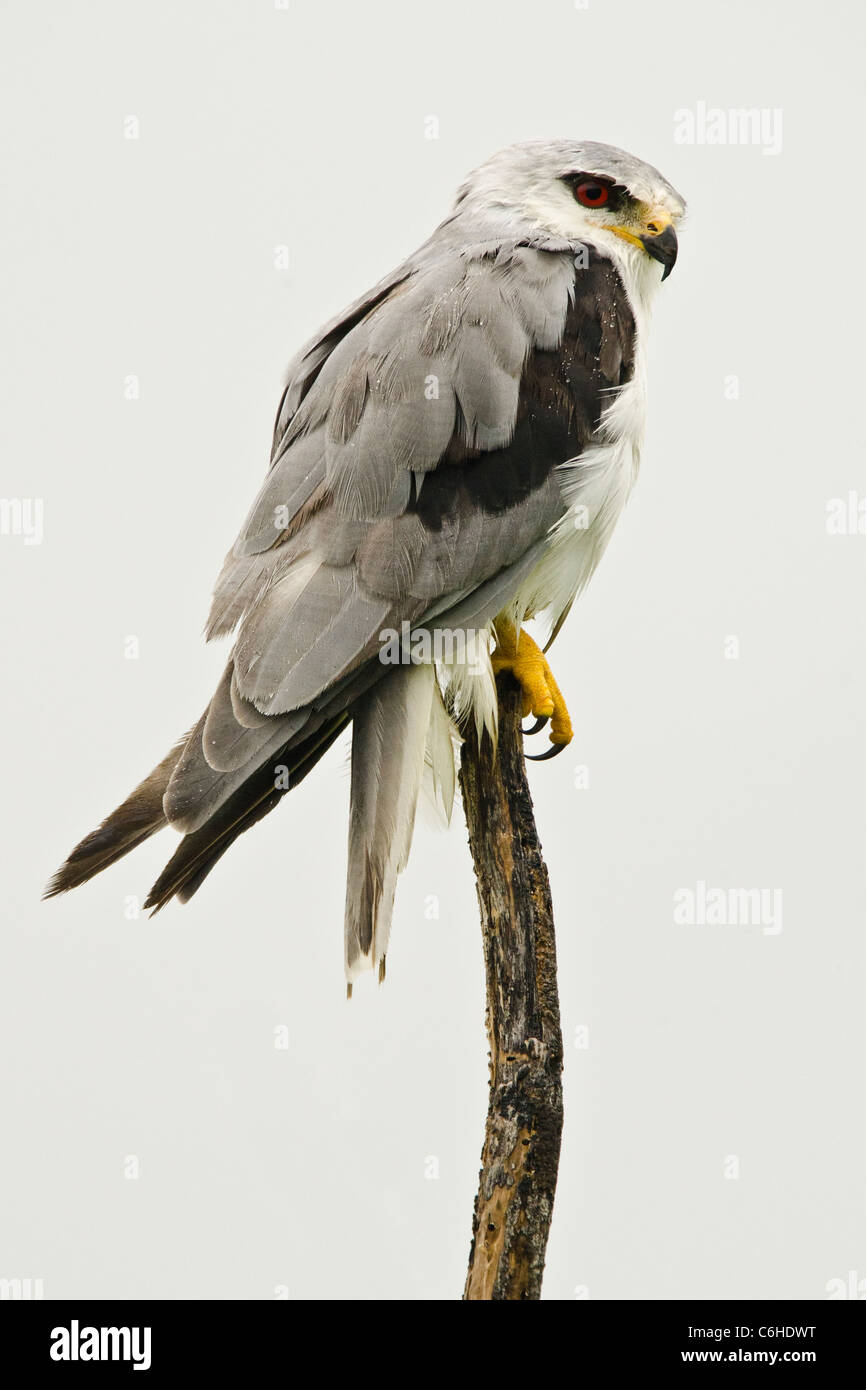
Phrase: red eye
(592,194)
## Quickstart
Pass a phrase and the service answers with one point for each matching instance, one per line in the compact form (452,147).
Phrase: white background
(305,1167)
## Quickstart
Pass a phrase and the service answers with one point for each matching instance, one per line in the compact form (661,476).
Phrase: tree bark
(520,1158)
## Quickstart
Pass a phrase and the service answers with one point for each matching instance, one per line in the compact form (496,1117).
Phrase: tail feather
(135,821)
(391,723)
(388,743)
(200,850)
(213,806)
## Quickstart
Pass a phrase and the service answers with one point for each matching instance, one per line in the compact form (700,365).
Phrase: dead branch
(520,1157)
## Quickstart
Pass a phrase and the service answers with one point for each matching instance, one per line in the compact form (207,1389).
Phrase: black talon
(552,752)
(537,726)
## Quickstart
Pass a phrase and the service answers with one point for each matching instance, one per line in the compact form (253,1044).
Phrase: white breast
(596,485)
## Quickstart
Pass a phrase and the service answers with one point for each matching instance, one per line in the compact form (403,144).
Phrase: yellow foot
(542,697)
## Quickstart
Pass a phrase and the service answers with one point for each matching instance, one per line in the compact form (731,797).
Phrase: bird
(450,456)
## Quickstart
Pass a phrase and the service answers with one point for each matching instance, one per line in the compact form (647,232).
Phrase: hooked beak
(655,233)
(662,247)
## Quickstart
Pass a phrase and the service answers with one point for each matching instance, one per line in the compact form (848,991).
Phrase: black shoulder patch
(562,394)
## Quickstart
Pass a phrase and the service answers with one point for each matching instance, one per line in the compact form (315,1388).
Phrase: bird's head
(581,192)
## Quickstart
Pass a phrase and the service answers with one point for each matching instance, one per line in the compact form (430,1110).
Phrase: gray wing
(341,541)
(414,474)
